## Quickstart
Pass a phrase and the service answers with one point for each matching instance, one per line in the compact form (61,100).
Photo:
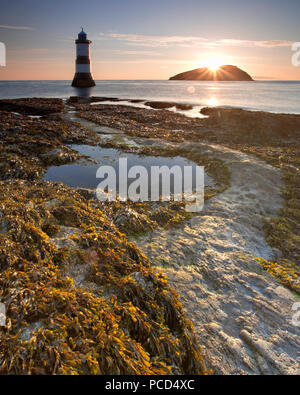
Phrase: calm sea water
(274,96)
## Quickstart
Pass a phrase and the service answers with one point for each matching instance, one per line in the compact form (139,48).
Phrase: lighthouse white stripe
(83,50)
(83,68)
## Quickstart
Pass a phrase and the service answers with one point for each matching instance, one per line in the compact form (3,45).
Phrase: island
(223,73)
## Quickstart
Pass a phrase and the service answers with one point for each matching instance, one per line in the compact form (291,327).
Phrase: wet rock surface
(273,137)
(28,146)
(258,125)
(242,316)
(72,305)
(163,105)
(32,106)
(66,269)
(142,122)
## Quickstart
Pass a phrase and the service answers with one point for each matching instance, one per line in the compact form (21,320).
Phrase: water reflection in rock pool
(84,174)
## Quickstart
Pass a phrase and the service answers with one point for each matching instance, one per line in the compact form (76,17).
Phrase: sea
(272,96)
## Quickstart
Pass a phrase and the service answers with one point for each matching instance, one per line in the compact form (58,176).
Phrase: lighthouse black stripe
(83,42)
(83,76)
(83,80)
(83,60)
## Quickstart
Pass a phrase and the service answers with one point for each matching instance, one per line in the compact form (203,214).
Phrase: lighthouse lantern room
(83,76)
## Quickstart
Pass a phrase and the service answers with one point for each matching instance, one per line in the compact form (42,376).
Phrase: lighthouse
(83,77)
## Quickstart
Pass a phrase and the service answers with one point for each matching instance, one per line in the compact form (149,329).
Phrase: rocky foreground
(242,316)
(82,298)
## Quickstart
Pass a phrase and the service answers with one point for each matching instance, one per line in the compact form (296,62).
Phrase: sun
(214,63)
(213,102)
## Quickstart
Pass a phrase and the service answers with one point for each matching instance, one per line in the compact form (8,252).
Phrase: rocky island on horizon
(223,73)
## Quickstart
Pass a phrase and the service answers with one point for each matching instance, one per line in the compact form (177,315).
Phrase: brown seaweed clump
(33,106)
(28,146)
(80,298)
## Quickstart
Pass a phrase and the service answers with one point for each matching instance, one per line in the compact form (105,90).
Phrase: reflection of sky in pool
(84,175)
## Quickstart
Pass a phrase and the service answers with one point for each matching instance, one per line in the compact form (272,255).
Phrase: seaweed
(90,305)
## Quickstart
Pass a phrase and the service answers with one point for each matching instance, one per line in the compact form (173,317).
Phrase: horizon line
(150,79)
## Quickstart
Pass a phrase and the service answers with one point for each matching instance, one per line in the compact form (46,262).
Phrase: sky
(143,39)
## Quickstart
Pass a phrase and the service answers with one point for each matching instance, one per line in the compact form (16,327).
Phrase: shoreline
(270,137)
(187,108)
(278,96)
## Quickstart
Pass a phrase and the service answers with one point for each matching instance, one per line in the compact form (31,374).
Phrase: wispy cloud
(16,27)
(153,41)
(163,62)
(255,43)
(190,41)
(133,52)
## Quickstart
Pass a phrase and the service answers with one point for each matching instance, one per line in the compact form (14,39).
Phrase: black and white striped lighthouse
(83,76)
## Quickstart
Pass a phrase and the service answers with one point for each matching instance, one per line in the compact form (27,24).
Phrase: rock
(130,221)
(33,106)
(59,156)
(258,125)
(64,237)
(143,282)
(223,73)
(89,194)
(137,101)
(84,299)
(73,99)
(184,107)
(96,99)
(242,316)
(160,105)
(76,100)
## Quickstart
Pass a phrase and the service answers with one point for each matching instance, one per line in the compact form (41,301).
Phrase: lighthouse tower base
(83,80)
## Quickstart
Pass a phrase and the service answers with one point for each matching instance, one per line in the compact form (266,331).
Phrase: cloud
(16,27)
(163,62)
(255,43)
(190,41)
(133,52)
(153,41)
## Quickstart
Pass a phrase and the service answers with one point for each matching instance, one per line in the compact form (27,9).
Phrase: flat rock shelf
(210,261)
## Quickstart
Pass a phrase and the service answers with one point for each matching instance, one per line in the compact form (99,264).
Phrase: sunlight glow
(213,102)
(214,63)
(191,89)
